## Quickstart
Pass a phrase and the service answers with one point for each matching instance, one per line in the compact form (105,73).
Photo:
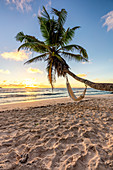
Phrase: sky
(95,34)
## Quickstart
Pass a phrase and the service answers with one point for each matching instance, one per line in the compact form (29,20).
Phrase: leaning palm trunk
(98,86)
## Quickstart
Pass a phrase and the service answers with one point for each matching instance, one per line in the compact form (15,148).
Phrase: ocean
(14,95)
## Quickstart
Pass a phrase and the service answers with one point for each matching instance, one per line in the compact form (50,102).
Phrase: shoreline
(45,102)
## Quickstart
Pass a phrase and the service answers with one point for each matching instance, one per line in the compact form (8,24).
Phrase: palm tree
(55,48)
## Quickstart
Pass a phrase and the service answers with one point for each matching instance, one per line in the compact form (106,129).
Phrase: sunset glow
(29,83)
(95,35)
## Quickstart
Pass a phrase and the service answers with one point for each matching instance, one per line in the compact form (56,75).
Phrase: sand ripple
(72,136)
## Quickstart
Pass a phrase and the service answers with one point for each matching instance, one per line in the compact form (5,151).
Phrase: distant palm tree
(55,47)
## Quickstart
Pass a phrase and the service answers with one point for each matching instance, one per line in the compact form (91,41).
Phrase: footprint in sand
(52,142)
(71,151)
(40,152)
(69,140)
(84,161)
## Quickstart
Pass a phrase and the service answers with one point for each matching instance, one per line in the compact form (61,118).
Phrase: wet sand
(57,134)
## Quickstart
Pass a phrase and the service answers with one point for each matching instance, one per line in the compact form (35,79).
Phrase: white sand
(65,136)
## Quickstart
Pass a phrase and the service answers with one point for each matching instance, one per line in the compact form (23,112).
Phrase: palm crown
(55,46)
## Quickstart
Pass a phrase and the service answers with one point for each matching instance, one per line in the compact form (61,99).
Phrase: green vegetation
(56,48)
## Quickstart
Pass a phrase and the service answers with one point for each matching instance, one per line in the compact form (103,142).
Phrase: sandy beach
(57,134)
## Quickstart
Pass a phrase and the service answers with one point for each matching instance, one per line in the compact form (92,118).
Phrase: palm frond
(82,51)
(61,15)
(68,35)
(37,58)
(32,46)
(35,46)
(47,28)
(73,47)
(77,57)
(59,29)
(27,38)
(45,13)
(68,48)
(20,36)
(44,27)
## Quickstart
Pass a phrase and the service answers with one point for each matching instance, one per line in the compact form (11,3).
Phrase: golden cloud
(85,62)
(81,75)
(34,70)
(17,56)
(4,71)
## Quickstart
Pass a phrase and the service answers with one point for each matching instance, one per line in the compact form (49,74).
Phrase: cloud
(89,62)
(30,82)
(4,81)
(21,4)
(39,12)
(82,75)
(17,56)
(8,1)
(34,15)
(34,70)
(4,71)
(108,20)
(46,6)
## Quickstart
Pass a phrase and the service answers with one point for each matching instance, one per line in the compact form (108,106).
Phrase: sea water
(13,95)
